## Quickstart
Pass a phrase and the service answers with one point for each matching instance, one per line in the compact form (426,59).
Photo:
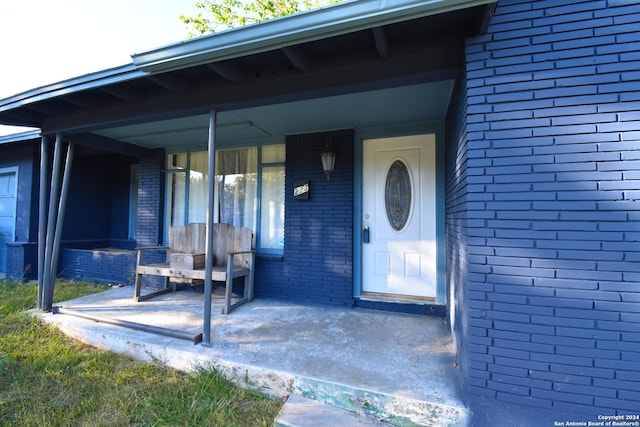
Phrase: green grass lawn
(47,379)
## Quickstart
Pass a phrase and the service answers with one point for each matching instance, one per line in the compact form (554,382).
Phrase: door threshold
(406,299)
(401,304)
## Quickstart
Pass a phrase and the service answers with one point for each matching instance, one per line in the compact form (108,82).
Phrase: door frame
(15,170)
(388,132)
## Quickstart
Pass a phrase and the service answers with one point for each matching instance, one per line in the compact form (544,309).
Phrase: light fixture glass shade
(328,158)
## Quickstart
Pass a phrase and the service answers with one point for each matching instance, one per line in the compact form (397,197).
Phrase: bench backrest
(191,239)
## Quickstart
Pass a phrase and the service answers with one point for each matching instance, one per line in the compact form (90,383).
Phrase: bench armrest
(141,250)
(248,260)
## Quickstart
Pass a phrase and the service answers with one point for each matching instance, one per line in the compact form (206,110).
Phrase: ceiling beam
(109,144)
(29,117)
(298,58)
(125,93)
(380,40)
(52,108)
(85,100)
(230,71)
(171,82)
(11,120)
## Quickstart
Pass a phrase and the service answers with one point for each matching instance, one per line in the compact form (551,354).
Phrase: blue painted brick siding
(115,267)
(22,261)
(317,264)
(150,188)
(542,189)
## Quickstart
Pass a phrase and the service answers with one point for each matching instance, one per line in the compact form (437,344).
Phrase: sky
(47,41)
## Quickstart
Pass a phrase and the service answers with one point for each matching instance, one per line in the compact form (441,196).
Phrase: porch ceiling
(385,107)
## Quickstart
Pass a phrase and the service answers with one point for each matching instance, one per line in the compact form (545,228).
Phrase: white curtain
(237,184)
(198,191)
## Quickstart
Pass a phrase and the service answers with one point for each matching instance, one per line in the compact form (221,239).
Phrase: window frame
(170,170)
(134,184)
(261,167)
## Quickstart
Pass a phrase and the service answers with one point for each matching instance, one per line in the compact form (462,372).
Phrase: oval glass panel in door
(397,195)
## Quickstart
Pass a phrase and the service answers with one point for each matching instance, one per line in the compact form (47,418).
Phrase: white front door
(399,216)
(8,198)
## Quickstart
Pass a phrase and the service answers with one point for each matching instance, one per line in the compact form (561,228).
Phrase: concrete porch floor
(397,367)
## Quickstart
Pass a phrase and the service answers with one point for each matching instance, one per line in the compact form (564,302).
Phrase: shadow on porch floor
(397,367)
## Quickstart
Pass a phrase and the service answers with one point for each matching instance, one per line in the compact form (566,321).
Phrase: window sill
(269,257)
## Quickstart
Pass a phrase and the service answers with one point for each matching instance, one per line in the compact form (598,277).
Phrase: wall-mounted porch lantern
(328,158)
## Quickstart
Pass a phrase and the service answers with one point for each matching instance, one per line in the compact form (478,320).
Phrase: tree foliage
(217,15)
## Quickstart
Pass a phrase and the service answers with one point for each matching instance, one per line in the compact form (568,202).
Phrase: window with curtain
(236,187)
(249,191)
(272,198)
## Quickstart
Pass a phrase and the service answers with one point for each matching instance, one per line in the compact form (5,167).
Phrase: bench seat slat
(218,274)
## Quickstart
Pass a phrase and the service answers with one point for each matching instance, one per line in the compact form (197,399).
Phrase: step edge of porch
(393,409)
(300,411)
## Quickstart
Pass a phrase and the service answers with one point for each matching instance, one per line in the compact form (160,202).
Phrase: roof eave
(269,35)
(294,29)
(20,136)
(73,85)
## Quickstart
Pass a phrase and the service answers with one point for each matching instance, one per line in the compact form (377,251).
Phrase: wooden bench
(184,261)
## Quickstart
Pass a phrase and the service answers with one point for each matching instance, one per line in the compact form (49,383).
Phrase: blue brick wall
(113,266)
(87,258)
(317,264)
(96,219)
(150,210)
(457,181)
(22,260)
(542,199)
(150,197)
(88,212)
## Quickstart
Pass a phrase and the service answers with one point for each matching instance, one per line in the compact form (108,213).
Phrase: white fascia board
(303,27)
